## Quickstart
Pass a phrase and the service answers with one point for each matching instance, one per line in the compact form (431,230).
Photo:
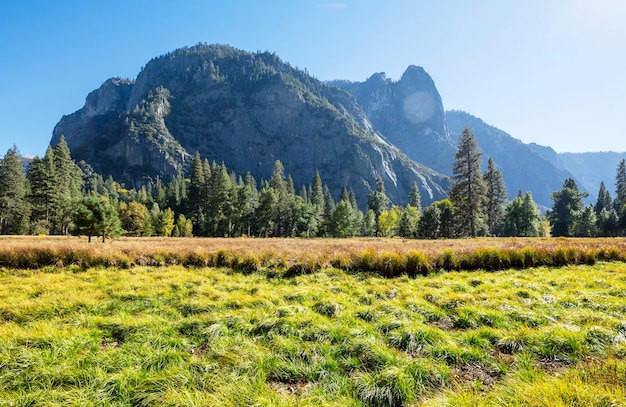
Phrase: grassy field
(166,334)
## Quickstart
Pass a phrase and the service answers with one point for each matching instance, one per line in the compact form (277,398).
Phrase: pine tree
(68,187)
(14,208)
(495,197)
(196,195)
(42,179)
(378,201)
(415,199)
(620,186)
(409,221)
(604,200)
(468,190)
(220,206)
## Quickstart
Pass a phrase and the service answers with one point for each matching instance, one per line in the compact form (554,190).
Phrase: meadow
(284,322)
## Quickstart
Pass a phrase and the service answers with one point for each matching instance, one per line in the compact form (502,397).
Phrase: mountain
(246,110)
(522,166)
(409,113)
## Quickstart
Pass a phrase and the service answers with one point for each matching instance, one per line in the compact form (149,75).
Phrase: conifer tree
(495,197)
(620,186)
(378,201)
(415,199)
(604,200)
(196,195)
(467,193)
(42,179)
(68,187)
(14,207)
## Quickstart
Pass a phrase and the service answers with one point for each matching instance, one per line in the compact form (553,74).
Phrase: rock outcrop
(409,113)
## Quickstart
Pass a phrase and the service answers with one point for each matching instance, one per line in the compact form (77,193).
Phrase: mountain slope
(246,110)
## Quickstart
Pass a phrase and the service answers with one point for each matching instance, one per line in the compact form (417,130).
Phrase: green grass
(176,336)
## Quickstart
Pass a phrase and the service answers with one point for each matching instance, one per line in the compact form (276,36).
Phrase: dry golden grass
(300,256)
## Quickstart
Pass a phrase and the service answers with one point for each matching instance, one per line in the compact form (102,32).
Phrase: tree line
(58,196)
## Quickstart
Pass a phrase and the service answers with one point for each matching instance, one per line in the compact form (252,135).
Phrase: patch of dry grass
(389,257)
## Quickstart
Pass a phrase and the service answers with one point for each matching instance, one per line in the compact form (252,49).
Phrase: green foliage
(567,203)
(521,217)
(95,216)
(14,207)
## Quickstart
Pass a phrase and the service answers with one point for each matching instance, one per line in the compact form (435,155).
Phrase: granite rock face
(246,110)
(409,113)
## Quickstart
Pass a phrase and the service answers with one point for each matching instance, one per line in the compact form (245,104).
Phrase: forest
(54,195)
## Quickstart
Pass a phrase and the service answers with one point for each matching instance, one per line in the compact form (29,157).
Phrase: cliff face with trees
(246,110)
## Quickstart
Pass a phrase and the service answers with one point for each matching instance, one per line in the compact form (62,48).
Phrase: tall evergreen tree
(196,198)
(620,186)
(42,179)
(68,187)
(495,197)
(467,193)
(220,205)
(604,200)
(14,207)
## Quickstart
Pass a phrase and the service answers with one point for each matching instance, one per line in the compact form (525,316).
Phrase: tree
(430,222)
(389,222)
(68,187)
(95,216)
(566,203)
(584,223)
(521,217)
(415,200)
(42,179)
(342,222)
(409,221)
(467,193)
(620,186)
(14,208)
(196,197)
(133,217)
(495,197)
(604,200)
(167,222)
(447,219)
(378,201)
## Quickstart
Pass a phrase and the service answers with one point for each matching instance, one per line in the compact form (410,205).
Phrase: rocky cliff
(246,110)
(409,113)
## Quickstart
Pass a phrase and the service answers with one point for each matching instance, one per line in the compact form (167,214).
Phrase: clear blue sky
(552,72)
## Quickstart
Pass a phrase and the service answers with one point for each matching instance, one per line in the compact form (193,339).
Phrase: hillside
(246,110)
